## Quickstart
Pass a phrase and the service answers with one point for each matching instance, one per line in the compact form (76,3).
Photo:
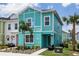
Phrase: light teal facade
(43,35)
(64,36)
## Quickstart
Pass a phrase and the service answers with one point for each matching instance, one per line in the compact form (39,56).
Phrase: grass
(66,52)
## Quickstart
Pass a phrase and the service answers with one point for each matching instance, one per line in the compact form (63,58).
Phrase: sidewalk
(20,54)
(12,54)
(38,52)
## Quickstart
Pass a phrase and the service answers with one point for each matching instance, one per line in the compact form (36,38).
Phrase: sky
(63,9)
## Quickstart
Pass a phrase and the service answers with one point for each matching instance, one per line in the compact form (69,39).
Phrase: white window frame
(44,20)
(29,39)
(15,26)
(27,21)
(8,26)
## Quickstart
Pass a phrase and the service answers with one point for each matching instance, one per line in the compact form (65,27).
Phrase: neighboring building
(64,36)
(77,37)
(10,29)
(69,36)
(46,24)
(2,32)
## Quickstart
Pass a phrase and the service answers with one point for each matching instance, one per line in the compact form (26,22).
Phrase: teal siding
(37,39)
(47,28)
(58,31)
(54,29)
(20,40)
(37,18)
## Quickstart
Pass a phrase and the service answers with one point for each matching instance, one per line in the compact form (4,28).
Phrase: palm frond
(23,26)
(64,19)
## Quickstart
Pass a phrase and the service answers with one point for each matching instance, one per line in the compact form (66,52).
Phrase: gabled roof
(43,11)
(9,17)
(38,9)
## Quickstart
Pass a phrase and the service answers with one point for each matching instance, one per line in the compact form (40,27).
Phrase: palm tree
(72,20)
(23,26)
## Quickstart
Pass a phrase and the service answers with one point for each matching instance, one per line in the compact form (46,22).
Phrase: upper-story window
(9,26)
(29,22)
(16,25)
(46,20)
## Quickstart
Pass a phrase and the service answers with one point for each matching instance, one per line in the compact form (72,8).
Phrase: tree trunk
(23,39)
(73,37)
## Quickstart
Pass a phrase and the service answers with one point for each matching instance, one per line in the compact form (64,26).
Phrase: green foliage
(78,46)
(66,52)
(19,47)
(23,26)
(71,19)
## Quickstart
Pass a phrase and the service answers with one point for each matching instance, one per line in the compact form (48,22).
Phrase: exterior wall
(64,36)
(36,25)
(49,27)
(1,32)
(12,32)
(34,15)
(57,31)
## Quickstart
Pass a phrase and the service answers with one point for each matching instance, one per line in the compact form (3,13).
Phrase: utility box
(59,49)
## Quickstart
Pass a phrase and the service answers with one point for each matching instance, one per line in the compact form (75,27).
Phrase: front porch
(46,40)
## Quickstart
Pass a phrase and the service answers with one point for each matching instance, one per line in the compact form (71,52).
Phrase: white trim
(44,21)
(37,26)
(34,18)
(41,20)
(29,12)
(29,39)
(31,20)
(53,22)
(43,31)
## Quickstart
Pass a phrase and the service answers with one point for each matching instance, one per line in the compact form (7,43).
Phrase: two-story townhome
(46,25)
(10,29)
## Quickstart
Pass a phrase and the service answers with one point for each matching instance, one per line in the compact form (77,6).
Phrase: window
(16,25)
(9,26)
(46,20)
(29,22)
(7,37)
(29,38)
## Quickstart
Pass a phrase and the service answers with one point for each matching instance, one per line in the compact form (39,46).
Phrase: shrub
(66,45)
(37,47)
(19,47)
(78,46)
(62,45)
(25,48)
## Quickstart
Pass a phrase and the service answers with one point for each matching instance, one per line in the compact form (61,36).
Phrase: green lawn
(66,52)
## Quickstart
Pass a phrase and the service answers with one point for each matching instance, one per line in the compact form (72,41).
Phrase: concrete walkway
(13,54)
(20,54)
(39,51)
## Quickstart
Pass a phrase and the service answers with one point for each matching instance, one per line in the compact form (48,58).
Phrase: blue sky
(63,9)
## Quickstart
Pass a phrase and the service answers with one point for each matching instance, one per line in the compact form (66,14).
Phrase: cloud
(36,4)
(65,4)
(12,8)
(77,5)
(50,7)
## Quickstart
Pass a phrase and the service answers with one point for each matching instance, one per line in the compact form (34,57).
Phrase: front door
(49,40)
(46,41)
